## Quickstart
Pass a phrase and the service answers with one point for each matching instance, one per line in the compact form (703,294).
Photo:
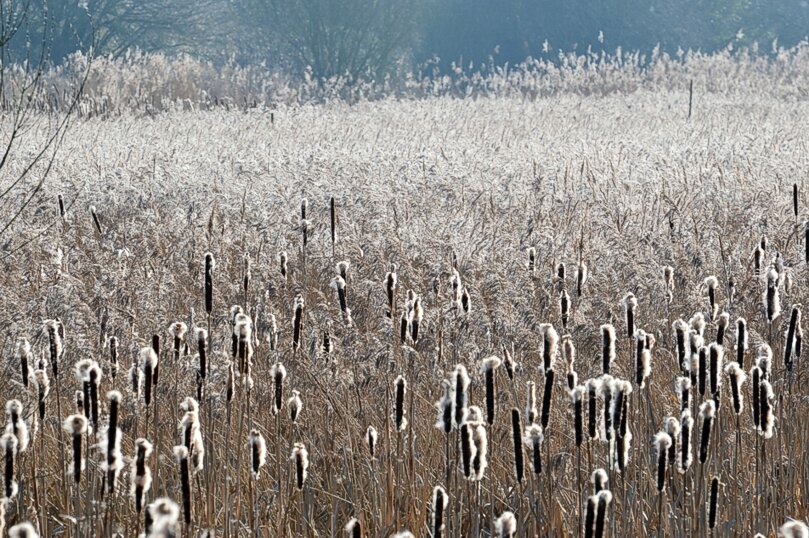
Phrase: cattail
(23,530)
(60,202)
(604,499)
(141,475)
(607,347)
(399,419)
(569,354)
(516,433)
(243,331)
(297,322)
(606,394)
(440,502)
(686,427)
(283,260)
(697,323)
(16,425)
(161,518)
(577,397)
(148,363)
(370,440)
(772,298)
(192,433)
(795,199)
(711,283)
(23,355)
(113,356)
(716,354)
(181,453)
(581,277)
(508,363)
(339,284)
(794,321)
(683,385)
(403,326)
(80,407)
(326,346)
(8,445)
(561,271)
(295,405)
(390,288)
(806,241)
(707,411)
(96,220)
(210,264)
(301,457)
(54,344)
(416,317)
(304,232)
(76,426)
(672,427)
(793,529)
(741,340)
(599,481)
(550,341)
(755,381)
(532,257)
(630,304)
(798,339)
(695,344)
(111,444)
(487,368)
(721,327)
(766,415)
(758,253)
(42,385)
(82,374)
(480,439)
(680,336)
(702,370)
(94,377)
(564,307)
(278,374)
(466,305)
(713,503)
(531,412)
(444,407)
(258,452)
(736,377)
(590,515)
(353,528)
(461,384)
(178,331)
(620,395)
(668,281)
(202,348)
(533,438)
(662,442)
(506,525)
(593,388)
(547,393)
(764,360)
(230,386)
(643,359)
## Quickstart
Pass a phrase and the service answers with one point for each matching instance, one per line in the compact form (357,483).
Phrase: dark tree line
(372,38)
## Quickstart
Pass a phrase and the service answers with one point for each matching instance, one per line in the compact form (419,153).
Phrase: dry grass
(622,181)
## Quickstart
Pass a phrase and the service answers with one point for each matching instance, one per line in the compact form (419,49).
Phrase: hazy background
(372,38)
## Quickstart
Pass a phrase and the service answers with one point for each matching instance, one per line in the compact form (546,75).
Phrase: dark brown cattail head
(24,357)
(141,474)
(789,345)
(8,448)
(258,452)
(181,453)
(333,221)
(415,319)
(547,395)
(399,420)
(713,503)
(707,411)
(370,440)
(444,407)
(766,416)
(354,528)
(96,220)
(662,443)
(508,363)
(607,347)
(283,261)
(686,427)
(532,258)
(794,203)
(516,433)
(488,367)
(630,304)
(599,480)
(53,328)
(156,349)
(301,458)
(741,341)
(295,406)
(590,515)
(202,349)
(722,323)
(683,386)
(593,389)
(604,500)
(76,426)
(460,384)
(772,298)
(60,202)
(440,503)
(577,399)
(711,285)
(23,530)
(297,322)
(278,374)
(17,425)
(533,439)
(716,357)
(210,265)
(791,529)
(736,378)
(148,363)
(581,277)
(390,288)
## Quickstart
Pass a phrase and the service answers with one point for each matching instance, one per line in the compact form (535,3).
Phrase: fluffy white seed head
(506,525)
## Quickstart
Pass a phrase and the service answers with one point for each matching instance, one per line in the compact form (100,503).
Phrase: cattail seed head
(764,360)
(741,340)
(416,317)
(8,448)
(531,412)
(399,419)
(772,298)
(42,386)
(607,347)
(353,528)
(581,277)
(532,257)
(23,530)
(716,355)
(24,357)
(713,503)
(604,500)
(686,427)
(683,385)
(444,407)
(148,363)
(599,481)
(440,503)
(662,443)
(789,345)
(295,406)
(564,307)
(508,363)
(516,433)
(278,374)
(164,515)
(370,440)
(672,427)
(593,390)
(533,438)
(547,395)
(141,474)
(461,384)
(258,452)
(506,525)
(550,341)
(16,424)
(301,458)
(487,368)
(297,322)
(736,378)
(577,398)
(590,515)
(630,304)
(721,327)
(711,284)
(76,426)
(766,414)
(707,411)
(793,529)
